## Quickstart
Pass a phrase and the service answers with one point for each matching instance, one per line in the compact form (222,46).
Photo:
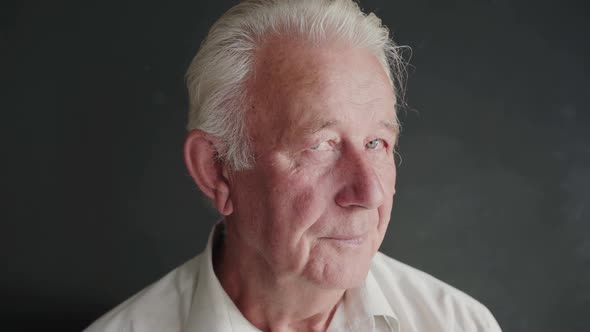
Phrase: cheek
(388,173)
(249,197)
(296,205)
(303,196)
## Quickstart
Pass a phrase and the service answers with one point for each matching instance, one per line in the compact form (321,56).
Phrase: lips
(347,239)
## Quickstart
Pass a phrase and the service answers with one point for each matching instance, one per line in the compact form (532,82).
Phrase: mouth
(347,240)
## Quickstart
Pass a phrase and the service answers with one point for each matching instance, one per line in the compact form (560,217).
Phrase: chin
(344,271)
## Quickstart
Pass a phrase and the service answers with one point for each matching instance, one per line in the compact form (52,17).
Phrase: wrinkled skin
(316,205)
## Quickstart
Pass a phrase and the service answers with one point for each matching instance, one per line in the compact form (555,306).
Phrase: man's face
(317,203)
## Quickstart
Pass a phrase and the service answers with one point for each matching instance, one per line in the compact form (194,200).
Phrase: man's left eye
(375,144)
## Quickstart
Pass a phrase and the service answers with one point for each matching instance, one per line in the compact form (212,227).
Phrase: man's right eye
(317,147)
(321,147)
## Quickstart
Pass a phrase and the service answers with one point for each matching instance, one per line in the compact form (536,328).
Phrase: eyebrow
(318,126)
(391,126)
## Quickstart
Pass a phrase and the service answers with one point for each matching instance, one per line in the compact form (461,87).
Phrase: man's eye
(375,144)
(321,146)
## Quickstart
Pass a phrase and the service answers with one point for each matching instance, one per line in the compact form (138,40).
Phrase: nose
(362,185)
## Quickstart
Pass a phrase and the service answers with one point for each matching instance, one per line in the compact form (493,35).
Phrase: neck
(271,302)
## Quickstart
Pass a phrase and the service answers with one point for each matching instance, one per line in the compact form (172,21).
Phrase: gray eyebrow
(391,126)
(323,124)
(320,125)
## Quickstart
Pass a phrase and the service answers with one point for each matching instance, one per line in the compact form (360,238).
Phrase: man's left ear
(210,174)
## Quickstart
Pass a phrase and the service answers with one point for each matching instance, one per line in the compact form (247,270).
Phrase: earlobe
(222,200)
(200,156)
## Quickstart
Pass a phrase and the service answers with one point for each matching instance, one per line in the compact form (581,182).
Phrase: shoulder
(162,306)
(424,303)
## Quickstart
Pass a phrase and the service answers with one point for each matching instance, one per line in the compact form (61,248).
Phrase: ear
(200,157)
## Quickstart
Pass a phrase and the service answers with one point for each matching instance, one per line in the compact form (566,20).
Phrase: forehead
(293,64)
(295,81)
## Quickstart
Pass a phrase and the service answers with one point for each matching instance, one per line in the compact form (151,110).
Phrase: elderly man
(292,135)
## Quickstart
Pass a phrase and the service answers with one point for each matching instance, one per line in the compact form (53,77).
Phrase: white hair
(217,75)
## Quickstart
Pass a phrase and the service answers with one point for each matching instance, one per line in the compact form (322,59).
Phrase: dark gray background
(493,189)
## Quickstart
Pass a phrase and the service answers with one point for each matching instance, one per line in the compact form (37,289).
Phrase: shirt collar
(377,304)
(213,310)
(361,307)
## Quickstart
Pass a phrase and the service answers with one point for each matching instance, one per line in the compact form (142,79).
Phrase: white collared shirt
(394,298)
